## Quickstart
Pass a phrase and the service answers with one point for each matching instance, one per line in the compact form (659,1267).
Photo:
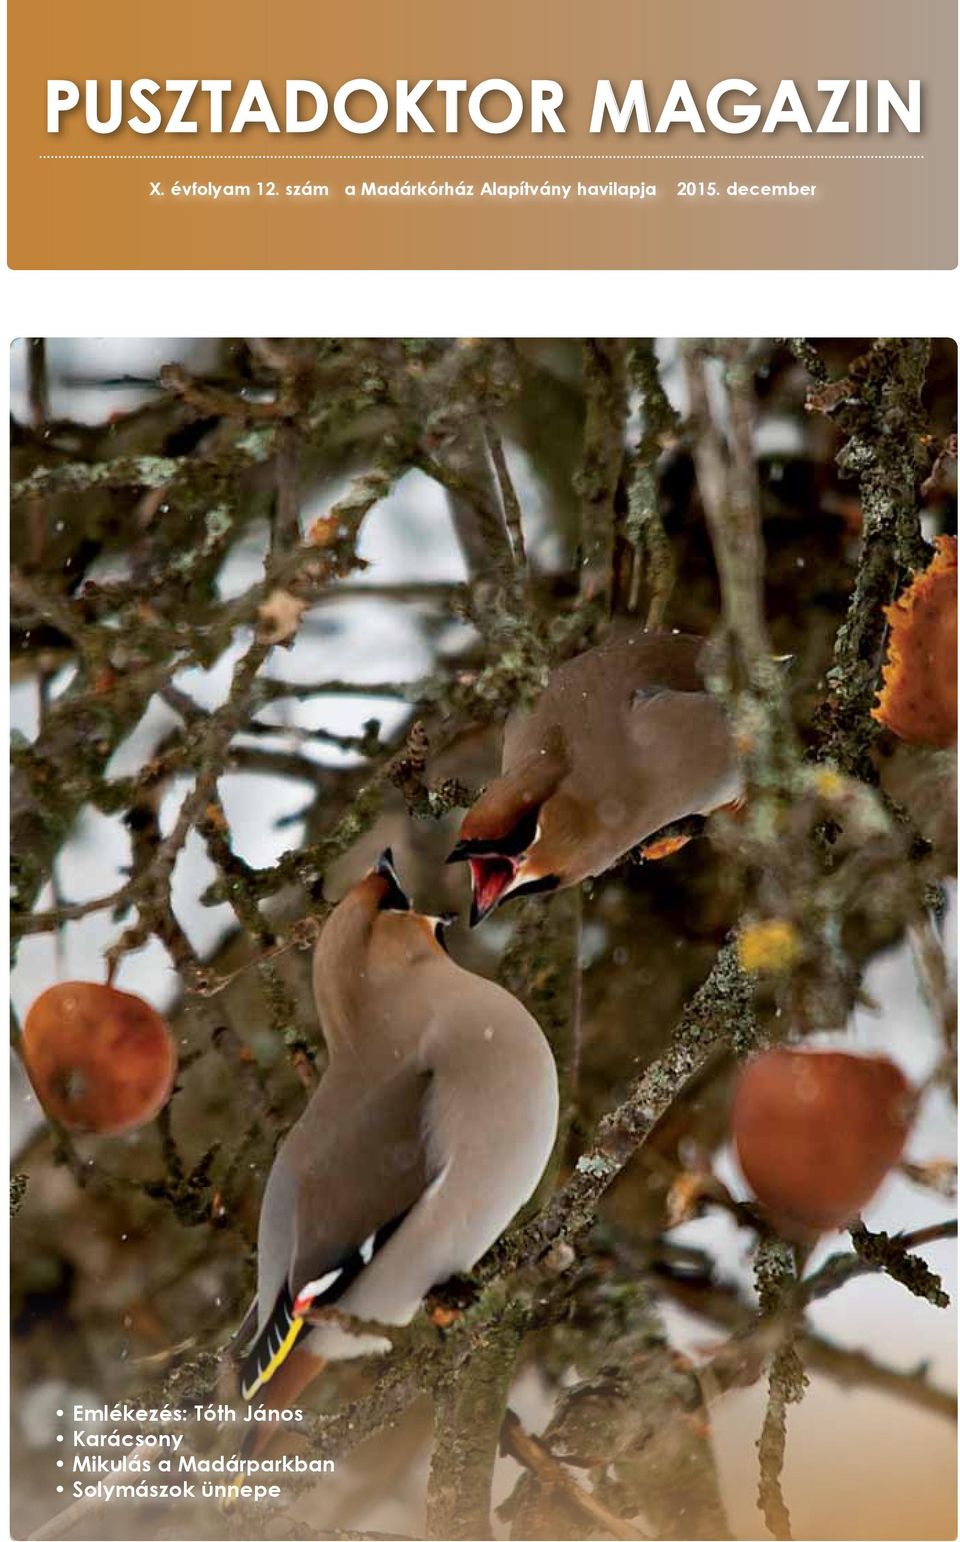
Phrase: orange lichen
(817,1131)
(688,1192)
(444,1316)
(324,531)
(104,682)
(666,847)
(100,1059)
(918,700)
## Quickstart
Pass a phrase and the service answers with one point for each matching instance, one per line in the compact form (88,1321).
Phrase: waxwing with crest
(625,742)
(431,1127)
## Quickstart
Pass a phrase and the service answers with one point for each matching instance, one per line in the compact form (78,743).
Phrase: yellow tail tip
(231,1498)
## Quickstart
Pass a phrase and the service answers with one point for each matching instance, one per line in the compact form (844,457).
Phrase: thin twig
(534,1455)
(508,495)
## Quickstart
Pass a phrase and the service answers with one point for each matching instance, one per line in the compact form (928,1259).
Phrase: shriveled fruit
(918,701)
(100,1059)
(817,1131)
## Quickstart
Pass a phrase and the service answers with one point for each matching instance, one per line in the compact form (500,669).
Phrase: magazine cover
(484,905)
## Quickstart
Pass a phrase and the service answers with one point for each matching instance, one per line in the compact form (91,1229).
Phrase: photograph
(483,920)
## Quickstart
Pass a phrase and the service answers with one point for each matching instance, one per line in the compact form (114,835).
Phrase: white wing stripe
(315,1288)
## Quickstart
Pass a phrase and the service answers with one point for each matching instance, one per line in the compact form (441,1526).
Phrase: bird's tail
(274,1386)
(285,1387)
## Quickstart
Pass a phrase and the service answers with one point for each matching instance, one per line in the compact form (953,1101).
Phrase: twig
(776,1275)
(722,1305)
(720,1013)
(772,1447)
(878,409)
(51,920)
(939,992)
(892,1255)
(37,391)
(274,690)
(534,1455)
(727,478)
(212,826)
(643,525)
(508,495)
(939,1175)
(453,450)
(212,401)
(604,365)
(889,1254)
(468,1413)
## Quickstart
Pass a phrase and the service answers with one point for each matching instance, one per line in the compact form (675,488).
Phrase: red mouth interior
(490,876)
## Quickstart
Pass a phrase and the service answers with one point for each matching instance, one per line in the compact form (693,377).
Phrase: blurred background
(115,1285)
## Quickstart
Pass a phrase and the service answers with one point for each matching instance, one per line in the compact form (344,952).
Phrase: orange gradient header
(670,134)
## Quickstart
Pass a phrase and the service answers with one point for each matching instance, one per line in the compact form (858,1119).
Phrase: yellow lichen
(829,784)
(768,947)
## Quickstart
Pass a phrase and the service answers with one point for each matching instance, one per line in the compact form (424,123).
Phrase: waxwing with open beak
(431,1127)
(624,742)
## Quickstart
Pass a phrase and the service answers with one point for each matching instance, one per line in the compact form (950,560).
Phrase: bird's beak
(394,897)
(496,875)
(493,880)
(521,881)
(476,913)
(440,924)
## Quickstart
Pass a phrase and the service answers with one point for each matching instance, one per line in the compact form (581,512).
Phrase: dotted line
(359,156)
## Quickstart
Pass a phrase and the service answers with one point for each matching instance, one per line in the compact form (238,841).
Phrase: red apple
(817,1131)
(99,1059)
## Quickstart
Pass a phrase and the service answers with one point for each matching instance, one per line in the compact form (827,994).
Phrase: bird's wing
(356,1176)
(655,710)
(682,750)
(585,695)
(247,1324)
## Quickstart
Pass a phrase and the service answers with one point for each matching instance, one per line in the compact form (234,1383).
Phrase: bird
(431,1127)
(624,742)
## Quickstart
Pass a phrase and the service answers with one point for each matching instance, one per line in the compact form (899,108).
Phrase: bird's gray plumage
(624,741)
(431,1127)
(337,1180)
(642,740)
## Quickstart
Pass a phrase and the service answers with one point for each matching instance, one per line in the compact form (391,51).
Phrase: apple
(100,1059)
(817,1131)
